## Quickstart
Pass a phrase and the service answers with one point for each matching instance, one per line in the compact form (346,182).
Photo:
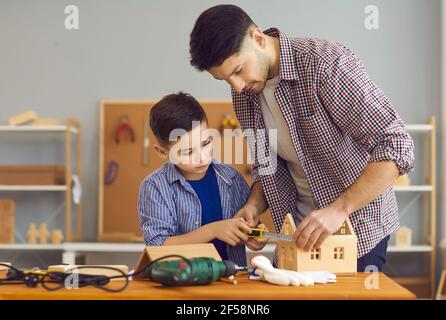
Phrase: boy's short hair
(174,111)
(218,33)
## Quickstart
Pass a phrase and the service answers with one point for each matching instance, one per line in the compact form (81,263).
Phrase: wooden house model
(337,254)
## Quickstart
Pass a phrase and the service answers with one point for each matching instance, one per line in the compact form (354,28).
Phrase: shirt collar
(172,173)
(221,170)
(287,67)
(226,173)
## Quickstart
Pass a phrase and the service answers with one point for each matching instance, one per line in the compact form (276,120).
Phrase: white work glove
(320,276)
(283,277)
(276,278)
(265,271)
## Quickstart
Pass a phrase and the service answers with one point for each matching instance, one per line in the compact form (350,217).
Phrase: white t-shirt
(274,119)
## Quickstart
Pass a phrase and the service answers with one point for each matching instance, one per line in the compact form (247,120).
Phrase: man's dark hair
(218,34)
(174,111)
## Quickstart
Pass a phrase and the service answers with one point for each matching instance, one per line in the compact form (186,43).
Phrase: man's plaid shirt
(339,121)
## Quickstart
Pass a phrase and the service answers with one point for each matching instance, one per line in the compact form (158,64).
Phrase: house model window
(339,253)
(315,254)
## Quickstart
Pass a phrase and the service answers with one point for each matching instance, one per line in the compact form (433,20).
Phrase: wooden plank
(22,118)
(441,291)
(79,174)
(412,281)
(68,183)
(78,156)
(7,221)
(101,171)
(433,195)
(36,174)
(45,122)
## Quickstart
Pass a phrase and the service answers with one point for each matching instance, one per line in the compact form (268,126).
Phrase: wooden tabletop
(346,287)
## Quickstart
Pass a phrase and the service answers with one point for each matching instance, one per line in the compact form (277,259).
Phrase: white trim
(419,188)
(26,246)
(33,188)
(29,128)
(419,127)
(103,247)
(413,248)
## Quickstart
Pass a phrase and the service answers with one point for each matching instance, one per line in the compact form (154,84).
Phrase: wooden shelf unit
(429,190)
(70,129)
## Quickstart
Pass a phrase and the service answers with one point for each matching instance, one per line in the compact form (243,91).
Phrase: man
(341,144)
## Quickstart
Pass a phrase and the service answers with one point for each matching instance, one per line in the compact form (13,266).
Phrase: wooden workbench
(347,287)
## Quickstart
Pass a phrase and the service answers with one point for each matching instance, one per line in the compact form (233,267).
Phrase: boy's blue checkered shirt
(168,205)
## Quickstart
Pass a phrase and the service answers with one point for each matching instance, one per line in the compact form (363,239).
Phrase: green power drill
(194,271)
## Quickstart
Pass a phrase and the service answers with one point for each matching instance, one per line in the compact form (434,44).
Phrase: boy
(192,198)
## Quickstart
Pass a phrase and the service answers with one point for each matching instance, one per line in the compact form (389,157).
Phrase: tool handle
(256,233)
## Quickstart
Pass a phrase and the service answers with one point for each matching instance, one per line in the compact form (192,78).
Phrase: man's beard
(264,66)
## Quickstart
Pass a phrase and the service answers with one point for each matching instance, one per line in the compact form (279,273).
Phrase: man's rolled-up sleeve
(156,219)
(361,110)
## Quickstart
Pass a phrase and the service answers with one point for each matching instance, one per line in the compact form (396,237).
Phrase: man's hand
(317,226)
(256,244)
(250,214)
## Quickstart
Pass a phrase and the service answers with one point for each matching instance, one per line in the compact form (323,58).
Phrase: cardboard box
(32,175)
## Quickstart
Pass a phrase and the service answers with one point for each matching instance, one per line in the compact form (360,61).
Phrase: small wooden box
(7,221)
(32,175)
(4,270)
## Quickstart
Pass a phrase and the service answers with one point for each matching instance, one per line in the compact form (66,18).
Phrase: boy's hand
(250,214)
(232,231)
(256,244)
